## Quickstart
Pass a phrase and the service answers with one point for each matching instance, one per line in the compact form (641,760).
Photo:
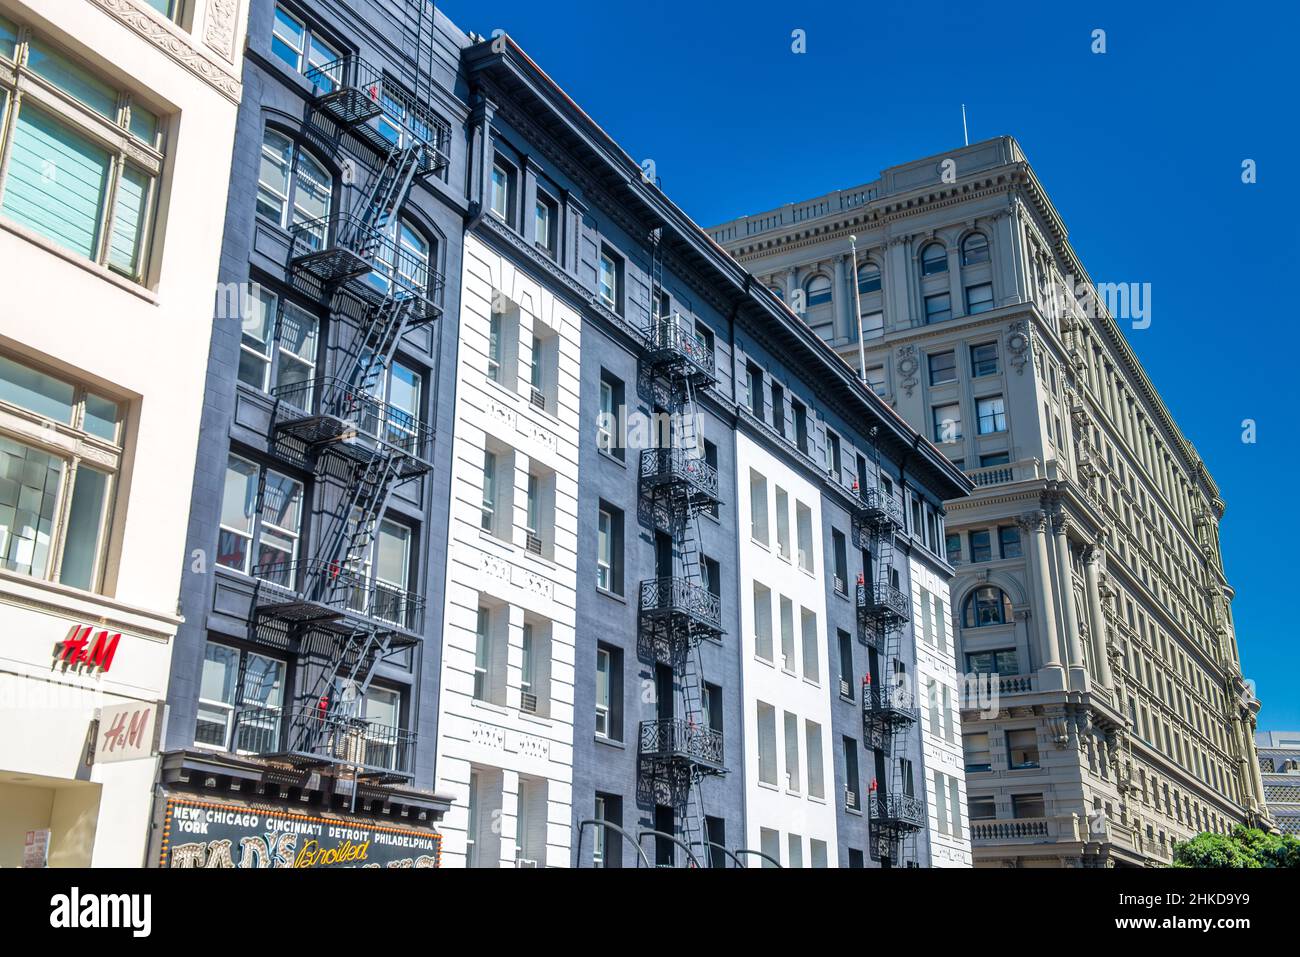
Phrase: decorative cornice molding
(176,44)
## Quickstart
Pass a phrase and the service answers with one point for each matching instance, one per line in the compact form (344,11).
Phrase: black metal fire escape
(329,606)
(889,706)
(676,612)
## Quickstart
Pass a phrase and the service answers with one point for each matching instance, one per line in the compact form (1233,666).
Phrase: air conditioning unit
(524,862)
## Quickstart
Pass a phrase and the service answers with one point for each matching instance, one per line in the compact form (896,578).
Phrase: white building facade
(789,793)
(116,128)
(505,737)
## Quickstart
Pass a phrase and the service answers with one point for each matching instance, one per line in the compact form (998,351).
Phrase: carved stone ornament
(907,366)
(1020,344)
(219,31)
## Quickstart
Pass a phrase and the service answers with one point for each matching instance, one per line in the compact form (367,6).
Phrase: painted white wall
(936,665)
(474,732)
(147,346)
(781,808)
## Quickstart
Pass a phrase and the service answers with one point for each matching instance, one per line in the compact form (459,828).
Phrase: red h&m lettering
(78,651)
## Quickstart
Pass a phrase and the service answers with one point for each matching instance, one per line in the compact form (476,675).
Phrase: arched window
(974,250)
(819,290)
(868,278)
(986,605)
(934,259)
(405,258)
(293,188)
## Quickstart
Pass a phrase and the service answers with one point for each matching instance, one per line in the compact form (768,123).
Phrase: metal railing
(316,733)
(343,247)
(359,413)
(877,598)
(677,738)
(677,596)
(897,701)
(877,505)
(663,466)
(337,589)
(897,810)
(667,340)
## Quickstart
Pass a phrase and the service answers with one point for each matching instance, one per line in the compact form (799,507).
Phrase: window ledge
(610,456)
(610,742)
(103,272)
(489,706)
(611,594)
(534,718)
(768,787)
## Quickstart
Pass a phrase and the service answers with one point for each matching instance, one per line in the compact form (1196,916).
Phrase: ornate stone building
(1105,716)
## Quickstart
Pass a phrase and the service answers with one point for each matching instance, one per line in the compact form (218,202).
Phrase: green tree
(1245,847)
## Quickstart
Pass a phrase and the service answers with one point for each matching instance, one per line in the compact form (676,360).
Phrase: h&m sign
(84,650)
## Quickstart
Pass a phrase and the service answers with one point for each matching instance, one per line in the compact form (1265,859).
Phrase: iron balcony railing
(879,600)
(315,590)
(678,598)
(316,735)
(876,507)
(360,96)
(328,409)
(674,466)
(343,249)
(897,812)
(895,704)
(677,739)
(669,342)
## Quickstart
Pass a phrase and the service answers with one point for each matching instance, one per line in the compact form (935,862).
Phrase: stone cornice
(176,43)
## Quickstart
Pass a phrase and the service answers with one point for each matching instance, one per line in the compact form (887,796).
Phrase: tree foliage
(1245,847)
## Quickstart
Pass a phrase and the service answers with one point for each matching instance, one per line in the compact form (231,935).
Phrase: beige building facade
(1104,713)
(116,125)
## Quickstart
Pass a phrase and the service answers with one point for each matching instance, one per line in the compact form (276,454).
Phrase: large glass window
(293,188)
(992,414)
(259,540)
(55,505)
(987,605)
(300,49)
(278,348)
(89,183)
(241,695)
(934,260)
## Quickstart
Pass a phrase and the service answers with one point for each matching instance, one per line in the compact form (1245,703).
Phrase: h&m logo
(76,651)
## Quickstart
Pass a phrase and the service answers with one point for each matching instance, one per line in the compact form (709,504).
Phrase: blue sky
(1140,149)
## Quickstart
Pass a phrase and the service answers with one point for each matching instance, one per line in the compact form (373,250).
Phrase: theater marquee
(206,834)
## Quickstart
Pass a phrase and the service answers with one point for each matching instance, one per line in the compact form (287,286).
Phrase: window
(811,655)
(981,808)
(56,506)
(876,379)
(609,692)
(974,250)
(608,428)
(758,530)
(987,605)
(804,537)
(490,654)
(782,523)
(984,359)
(87,181)
(711,460)
(503,178)
(873,325)
(794,850)
(299,48)
(868,278)
(762,621)
(754,389)
(947,423)
(938,308)
(791,752)
(489,520)
(610,280)
(818,289)
(813,750)
(769,842)
(390,570)
(263,536)
(978,755)
(800,412)
(943,368)
(847,676)
(607,850)
(952,547)
(402,260)
(609,549)
(766,744)
(241,695)
(788,660)
(293,188)
(545,224)
(995,458)
(979,298)
(992,414)
(833,460)
(934,260)
(1009,541)
(1027,805)
(852,794)
(980,548)
(840,555)
(1022,749)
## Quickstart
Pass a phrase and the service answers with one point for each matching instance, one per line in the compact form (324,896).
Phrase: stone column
(1053,675)
(791,284)
(1099,629)
(1073,645)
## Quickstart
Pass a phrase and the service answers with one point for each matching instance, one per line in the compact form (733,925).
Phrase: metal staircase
(676,612)
(889,707)
(329,607)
